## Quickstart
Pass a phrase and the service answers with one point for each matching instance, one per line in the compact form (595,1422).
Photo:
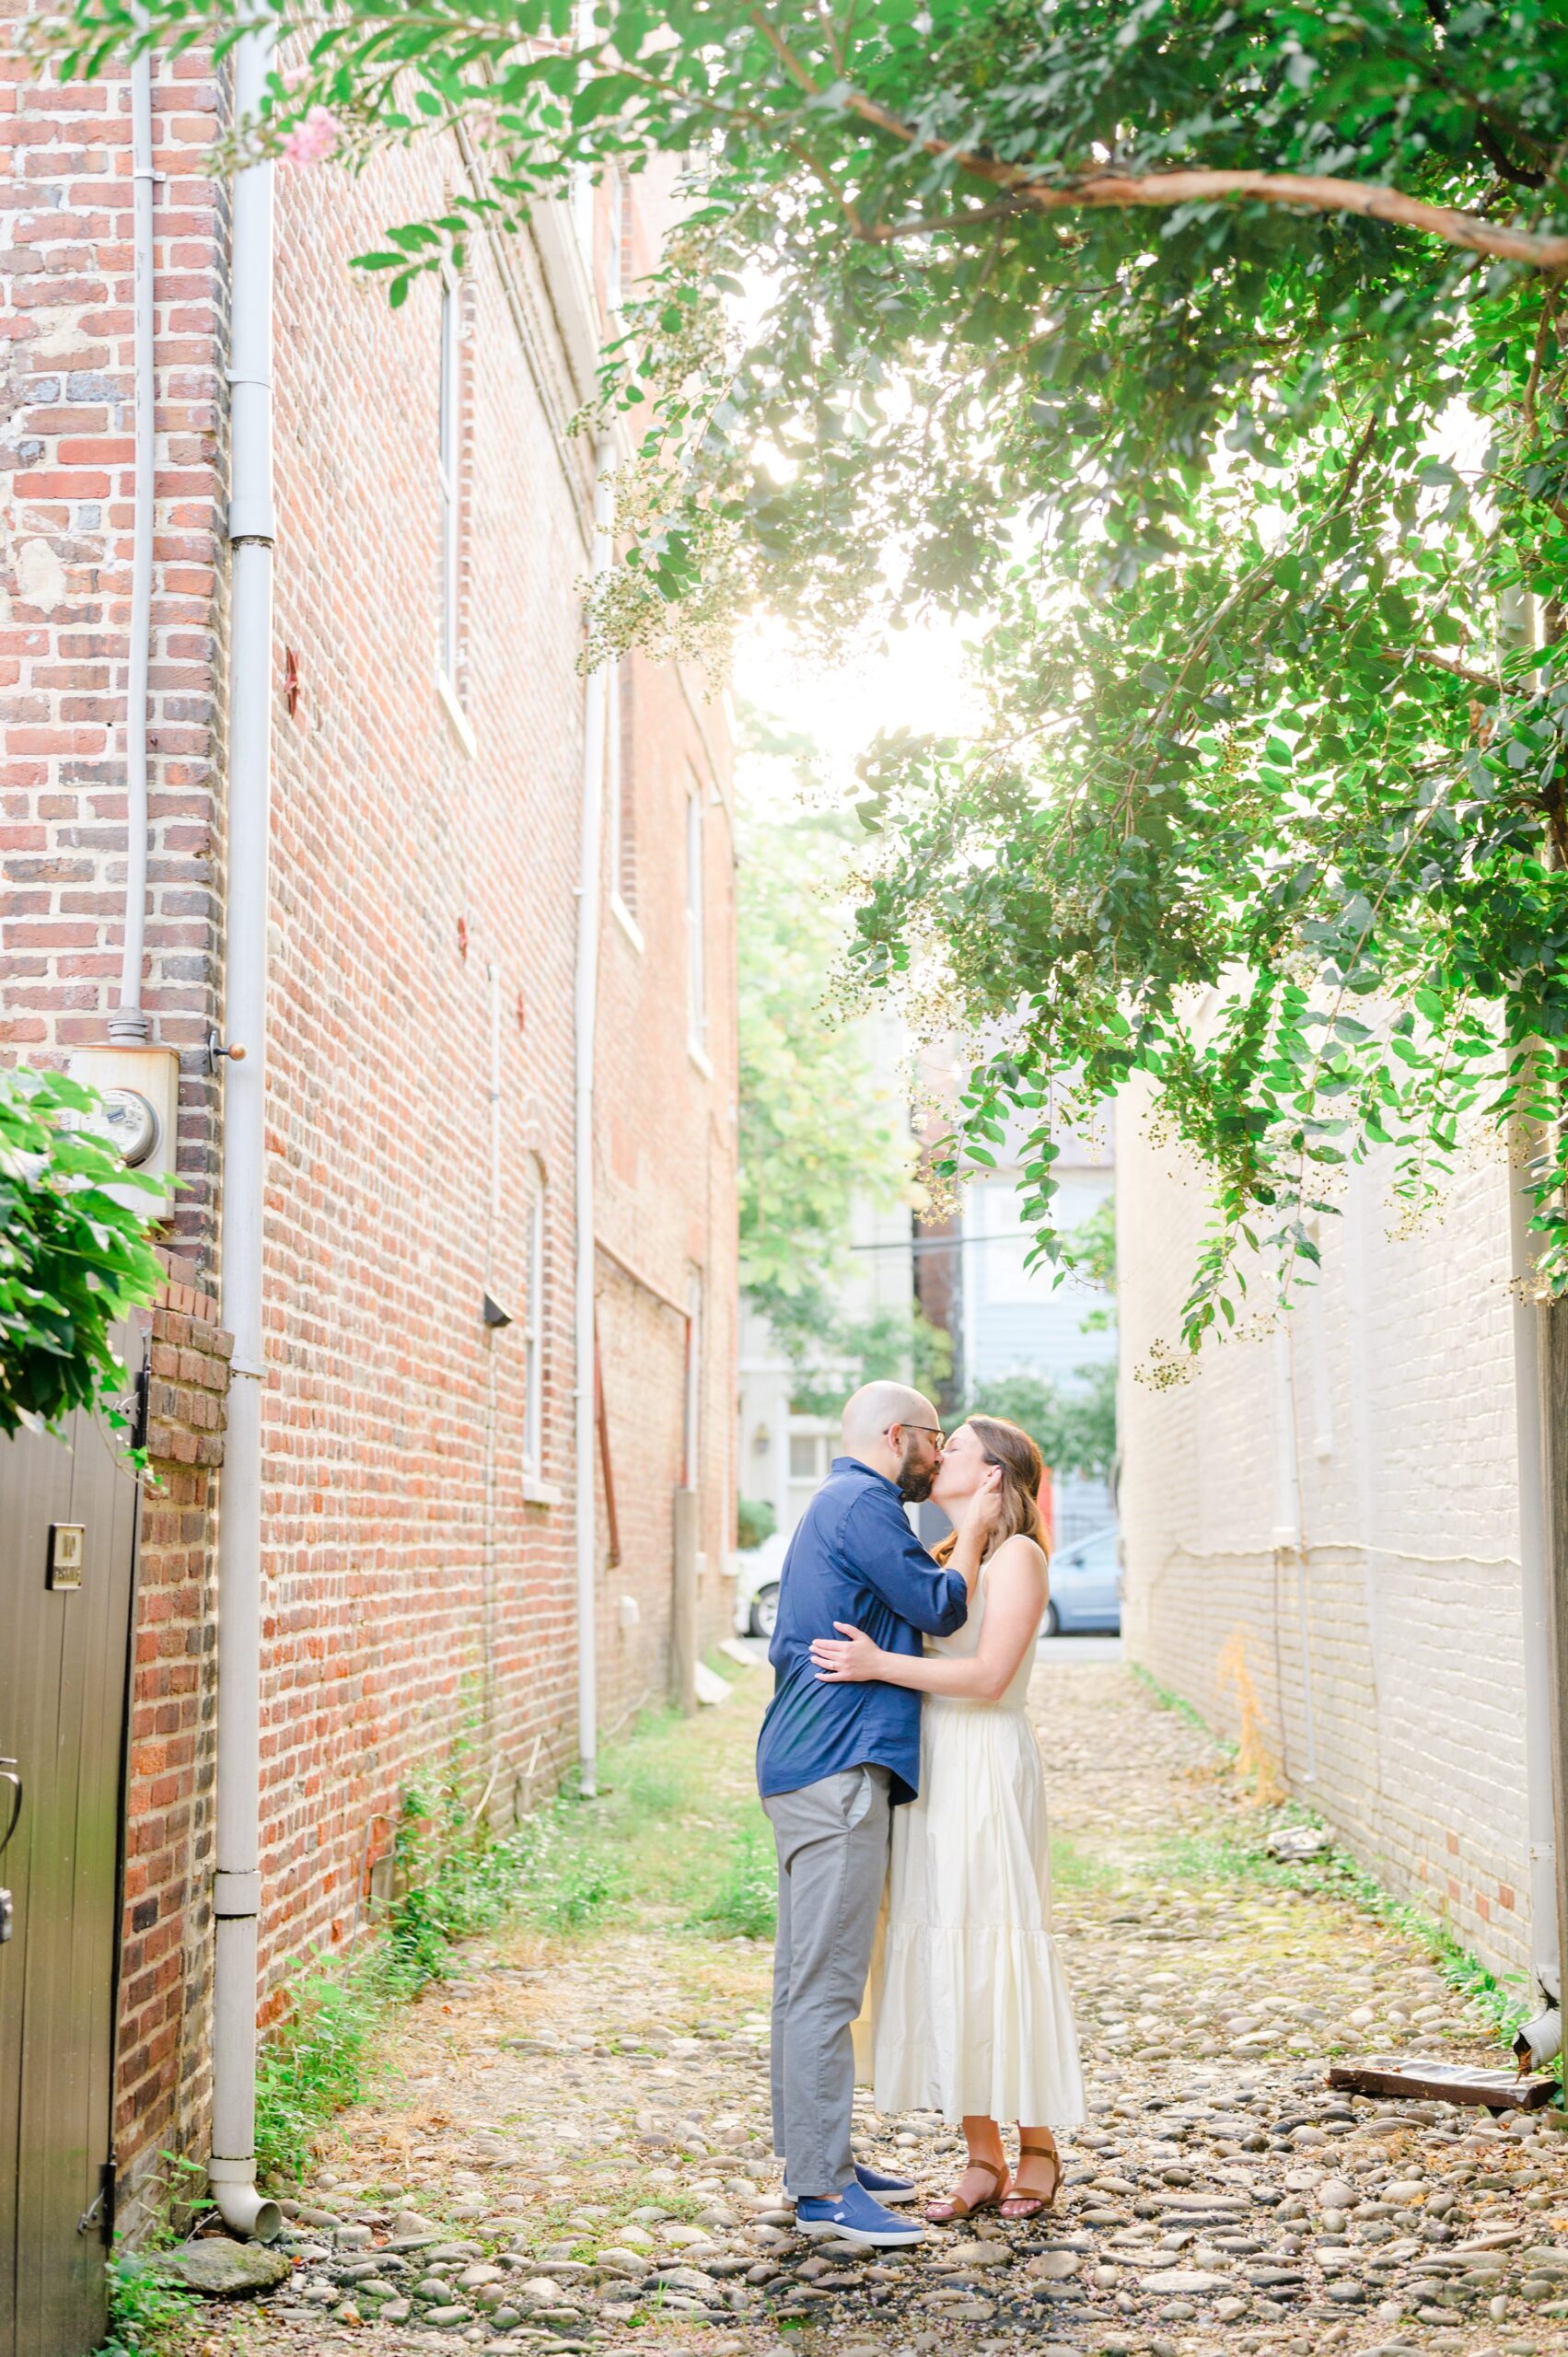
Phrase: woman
(971,2015)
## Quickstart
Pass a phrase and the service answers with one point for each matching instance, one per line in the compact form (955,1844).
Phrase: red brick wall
(669,1116)
(65,575)
(417,1589)
(162,2077)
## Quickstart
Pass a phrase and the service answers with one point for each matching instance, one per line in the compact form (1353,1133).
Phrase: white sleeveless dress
(970,2009)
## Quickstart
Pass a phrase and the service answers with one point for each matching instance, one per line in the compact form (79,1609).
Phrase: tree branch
(1449,663)
(1312,192)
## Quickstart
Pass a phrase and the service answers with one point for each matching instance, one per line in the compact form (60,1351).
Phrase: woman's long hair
(1023,1470)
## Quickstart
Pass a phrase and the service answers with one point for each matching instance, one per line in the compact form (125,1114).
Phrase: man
(832,1761)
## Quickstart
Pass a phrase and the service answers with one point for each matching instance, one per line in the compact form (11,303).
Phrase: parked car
(1086,1585)
(757,1586)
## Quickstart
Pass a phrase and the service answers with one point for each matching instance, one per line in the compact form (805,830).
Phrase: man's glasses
(934,1430)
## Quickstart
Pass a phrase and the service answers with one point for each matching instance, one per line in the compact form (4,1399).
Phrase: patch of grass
(1165,1698)
(1502,2000)
(147,2317)
(316,2063)
(1075,1869)
(676,1830)
(744,1900)
(1213,1857)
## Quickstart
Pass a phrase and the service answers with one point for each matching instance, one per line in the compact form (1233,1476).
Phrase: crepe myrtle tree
(1206,355)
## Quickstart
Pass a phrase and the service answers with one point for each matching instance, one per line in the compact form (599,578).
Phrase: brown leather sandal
(1019,2206)
(948,2213)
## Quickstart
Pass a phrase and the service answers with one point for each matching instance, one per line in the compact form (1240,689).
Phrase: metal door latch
(7,1916)
(100,2211)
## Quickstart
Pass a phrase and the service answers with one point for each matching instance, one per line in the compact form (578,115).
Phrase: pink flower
(311,141)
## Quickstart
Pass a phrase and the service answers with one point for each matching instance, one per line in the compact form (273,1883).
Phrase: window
(696,980)
(533,1331)
(812,1446)
(448,481)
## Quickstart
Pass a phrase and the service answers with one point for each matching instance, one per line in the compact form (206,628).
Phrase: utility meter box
(140,1088)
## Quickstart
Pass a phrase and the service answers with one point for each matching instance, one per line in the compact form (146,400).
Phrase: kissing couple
(943,1807)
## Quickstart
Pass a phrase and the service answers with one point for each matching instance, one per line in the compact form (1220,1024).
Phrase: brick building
(1323,1526)
(434,523)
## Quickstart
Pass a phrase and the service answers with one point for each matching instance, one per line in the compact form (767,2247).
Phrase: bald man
(832,1762)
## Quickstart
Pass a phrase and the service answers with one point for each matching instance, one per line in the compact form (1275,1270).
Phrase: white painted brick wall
(1387,1649)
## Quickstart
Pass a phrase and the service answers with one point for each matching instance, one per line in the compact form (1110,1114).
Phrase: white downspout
(1534,1597)
(583,1013)
(237,1883)
(128,1026)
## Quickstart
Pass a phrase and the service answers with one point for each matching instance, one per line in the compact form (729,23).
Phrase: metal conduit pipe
(237,1884)
(128,1026)
(585,1007)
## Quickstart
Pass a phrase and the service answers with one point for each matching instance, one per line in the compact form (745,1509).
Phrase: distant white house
(1014,1321)
(970,1275)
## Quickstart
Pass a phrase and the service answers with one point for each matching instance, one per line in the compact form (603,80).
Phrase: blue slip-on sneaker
(853,2216)
(887,2190)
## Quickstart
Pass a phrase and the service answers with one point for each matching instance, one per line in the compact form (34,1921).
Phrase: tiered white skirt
(969,2008)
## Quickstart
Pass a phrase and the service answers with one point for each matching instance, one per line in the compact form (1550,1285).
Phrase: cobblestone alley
(570,2151)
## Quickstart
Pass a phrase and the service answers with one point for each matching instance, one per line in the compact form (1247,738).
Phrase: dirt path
(570,2149)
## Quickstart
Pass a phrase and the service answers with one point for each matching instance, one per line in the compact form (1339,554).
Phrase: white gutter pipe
(128,1026)
(237,1884)
(1534,1591)
(585,1009)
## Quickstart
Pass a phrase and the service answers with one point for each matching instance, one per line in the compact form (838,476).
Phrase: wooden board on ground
(1443,2082)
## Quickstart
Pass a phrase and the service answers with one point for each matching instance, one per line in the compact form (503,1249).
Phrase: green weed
(147,2317)
(1165,1698)
(1075,1869)
(743,1902)
(1213,1857)
(316,2063)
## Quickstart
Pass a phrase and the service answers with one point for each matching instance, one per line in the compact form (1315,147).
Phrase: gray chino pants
(831,1838)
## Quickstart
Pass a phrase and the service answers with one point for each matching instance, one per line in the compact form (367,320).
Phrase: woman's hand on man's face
(847,1659)
(984,1511)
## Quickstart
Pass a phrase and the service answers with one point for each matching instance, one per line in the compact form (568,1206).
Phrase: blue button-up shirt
(852,1558)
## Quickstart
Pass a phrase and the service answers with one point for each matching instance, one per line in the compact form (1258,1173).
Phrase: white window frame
(696,931)
(533,1335)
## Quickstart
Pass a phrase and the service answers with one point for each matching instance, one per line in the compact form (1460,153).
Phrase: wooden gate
(68,1546)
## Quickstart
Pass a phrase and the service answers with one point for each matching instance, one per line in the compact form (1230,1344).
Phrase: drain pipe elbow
(242,2208)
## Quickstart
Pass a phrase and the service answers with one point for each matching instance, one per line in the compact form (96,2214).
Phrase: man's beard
(916,1480)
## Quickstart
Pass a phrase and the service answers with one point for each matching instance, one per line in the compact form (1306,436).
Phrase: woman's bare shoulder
(1021,1557)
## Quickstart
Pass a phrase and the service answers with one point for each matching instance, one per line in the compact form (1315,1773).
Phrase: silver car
(1086,1585)
(757,1586)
